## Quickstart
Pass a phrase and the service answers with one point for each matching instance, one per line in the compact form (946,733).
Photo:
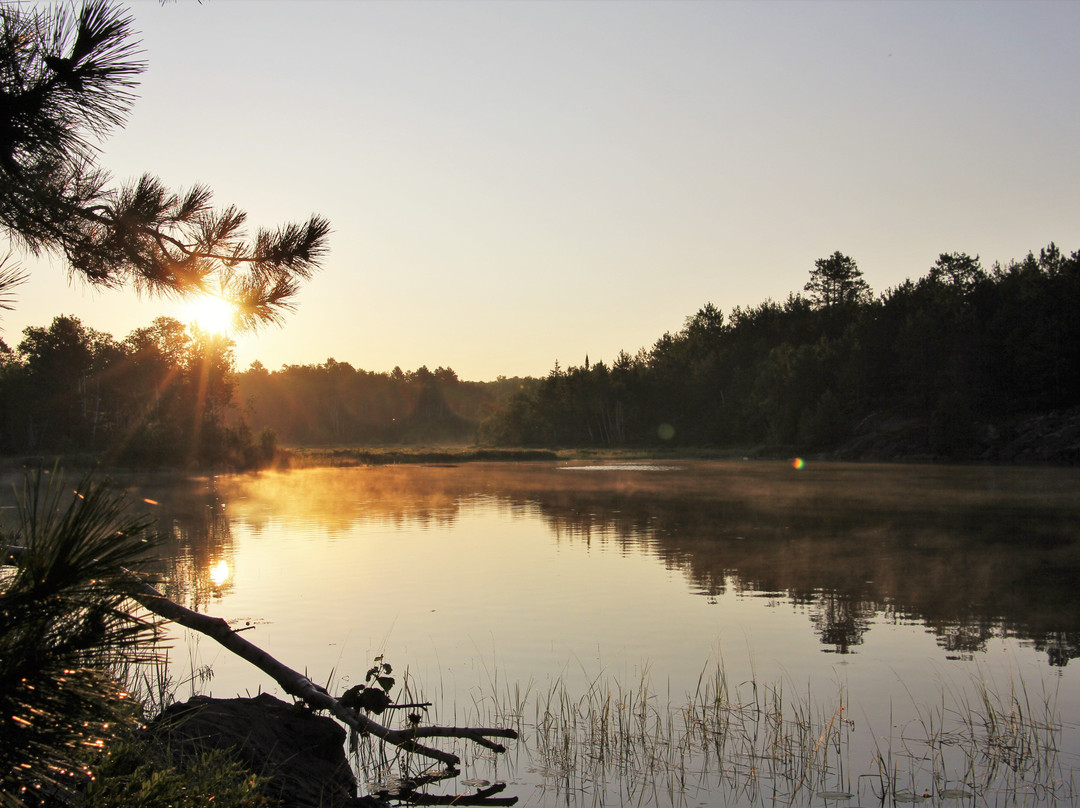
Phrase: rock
(302,755)
(1044,438)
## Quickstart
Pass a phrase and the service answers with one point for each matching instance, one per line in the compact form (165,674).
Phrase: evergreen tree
(837,281)
(958,270)
(67,80)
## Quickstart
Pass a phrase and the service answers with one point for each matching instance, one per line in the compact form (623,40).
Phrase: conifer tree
(837,281)
(67,80)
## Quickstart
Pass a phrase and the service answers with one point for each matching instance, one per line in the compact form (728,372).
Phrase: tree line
(162,395)
(170,394)
(936,360)
(939,363)
(333,403)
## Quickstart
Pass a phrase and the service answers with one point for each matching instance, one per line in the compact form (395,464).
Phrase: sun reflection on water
(219,573)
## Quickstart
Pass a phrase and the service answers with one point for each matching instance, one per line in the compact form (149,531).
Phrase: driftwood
(483,796)
(293,682)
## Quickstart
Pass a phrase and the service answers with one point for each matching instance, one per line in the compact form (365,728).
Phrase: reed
(156,683)
(770,743)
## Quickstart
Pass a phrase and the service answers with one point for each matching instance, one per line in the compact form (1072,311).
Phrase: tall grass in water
(744,741)
(982,745)
(752,743)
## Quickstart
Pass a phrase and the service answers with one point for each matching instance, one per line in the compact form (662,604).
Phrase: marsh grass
(743,740)
(982,745)
(754,743)
(156,684)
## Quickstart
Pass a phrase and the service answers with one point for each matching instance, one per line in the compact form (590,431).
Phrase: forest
(335,404)
(169,394)
(161,396)
(946,366)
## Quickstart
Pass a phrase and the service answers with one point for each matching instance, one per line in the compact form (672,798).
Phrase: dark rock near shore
(301,755)
(1050,438)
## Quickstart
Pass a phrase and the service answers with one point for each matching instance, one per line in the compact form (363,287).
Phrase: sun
(209,313)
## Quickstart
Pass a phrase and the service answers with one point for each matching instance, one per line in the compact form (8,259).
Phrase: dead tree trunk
(293,682)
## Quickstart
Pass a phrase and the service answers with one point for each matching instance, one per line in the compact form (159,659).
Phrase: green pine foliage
(69,733)
(65,625)
(68,77)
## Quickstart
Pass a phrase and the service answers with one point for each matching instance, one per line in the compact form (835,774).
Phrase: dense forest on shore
(957,364)
(335,404)
(161,396)
(963,363)
(170,394)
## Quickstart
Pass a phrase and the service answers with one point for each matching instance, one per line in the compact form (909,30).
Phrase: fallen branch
(482,796)
(293,682)
(408,792)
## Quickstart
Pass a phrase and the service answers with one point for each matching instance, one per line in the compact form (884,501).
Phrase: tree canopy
(164,394)
(946,365)
(837,281)
(67,80)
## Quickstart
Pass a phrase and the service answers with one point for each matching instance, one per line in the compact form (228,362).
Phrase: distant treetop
(837,281)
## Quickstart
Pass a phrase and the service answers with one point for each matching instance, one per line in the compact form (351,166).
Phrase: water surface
(895,591)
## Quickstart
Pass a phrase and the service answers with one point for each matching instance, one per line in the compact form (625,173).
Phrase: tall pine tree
(837,281)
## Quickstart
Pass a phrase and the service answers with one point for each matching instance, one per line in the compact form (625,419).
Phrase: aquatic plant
(758,743)
(64,624)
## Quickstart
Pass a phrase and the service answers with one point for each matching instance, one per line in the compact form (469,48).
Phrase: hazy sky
(515,183)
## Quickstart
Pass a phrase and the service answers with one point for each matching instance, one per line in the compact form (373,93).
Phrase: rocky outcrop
(1047,438)
(301,755)
(1051,438)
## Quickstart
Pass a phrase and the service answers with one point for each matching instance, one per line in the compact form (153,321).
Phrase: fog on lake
(880,600)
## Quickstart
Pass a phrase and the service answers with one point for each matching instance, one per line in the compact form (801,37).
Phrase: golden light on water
(219,573)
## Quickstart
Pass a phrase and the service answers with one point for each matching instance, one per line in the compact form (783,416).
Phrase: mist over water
(896,585)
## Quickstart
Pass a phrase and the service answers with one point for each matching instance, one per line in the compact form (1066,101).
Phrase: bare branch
(293,682)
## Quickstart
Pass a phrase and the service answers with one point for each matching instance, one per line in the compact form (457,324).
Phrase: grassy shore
(299,457)
(308,457)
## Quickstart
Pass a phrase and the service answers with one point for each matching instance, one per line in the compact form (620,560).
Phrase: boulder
(301,754)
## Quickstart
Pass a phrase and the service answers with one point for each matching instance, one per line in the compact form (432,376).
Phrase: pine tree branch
(67,79)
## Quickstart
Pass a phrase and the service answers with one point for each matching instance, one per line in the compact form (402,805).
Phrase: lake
(672,632)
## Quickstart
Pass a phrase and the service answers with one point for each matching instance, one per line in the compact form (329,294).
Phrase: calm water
(507,590)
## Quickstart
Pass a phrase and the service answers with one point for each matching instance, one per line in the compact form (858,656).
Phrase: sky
(514,184)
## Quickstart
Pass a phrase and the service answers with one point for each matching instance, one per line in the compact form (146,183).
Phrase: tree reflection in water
(971,553)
